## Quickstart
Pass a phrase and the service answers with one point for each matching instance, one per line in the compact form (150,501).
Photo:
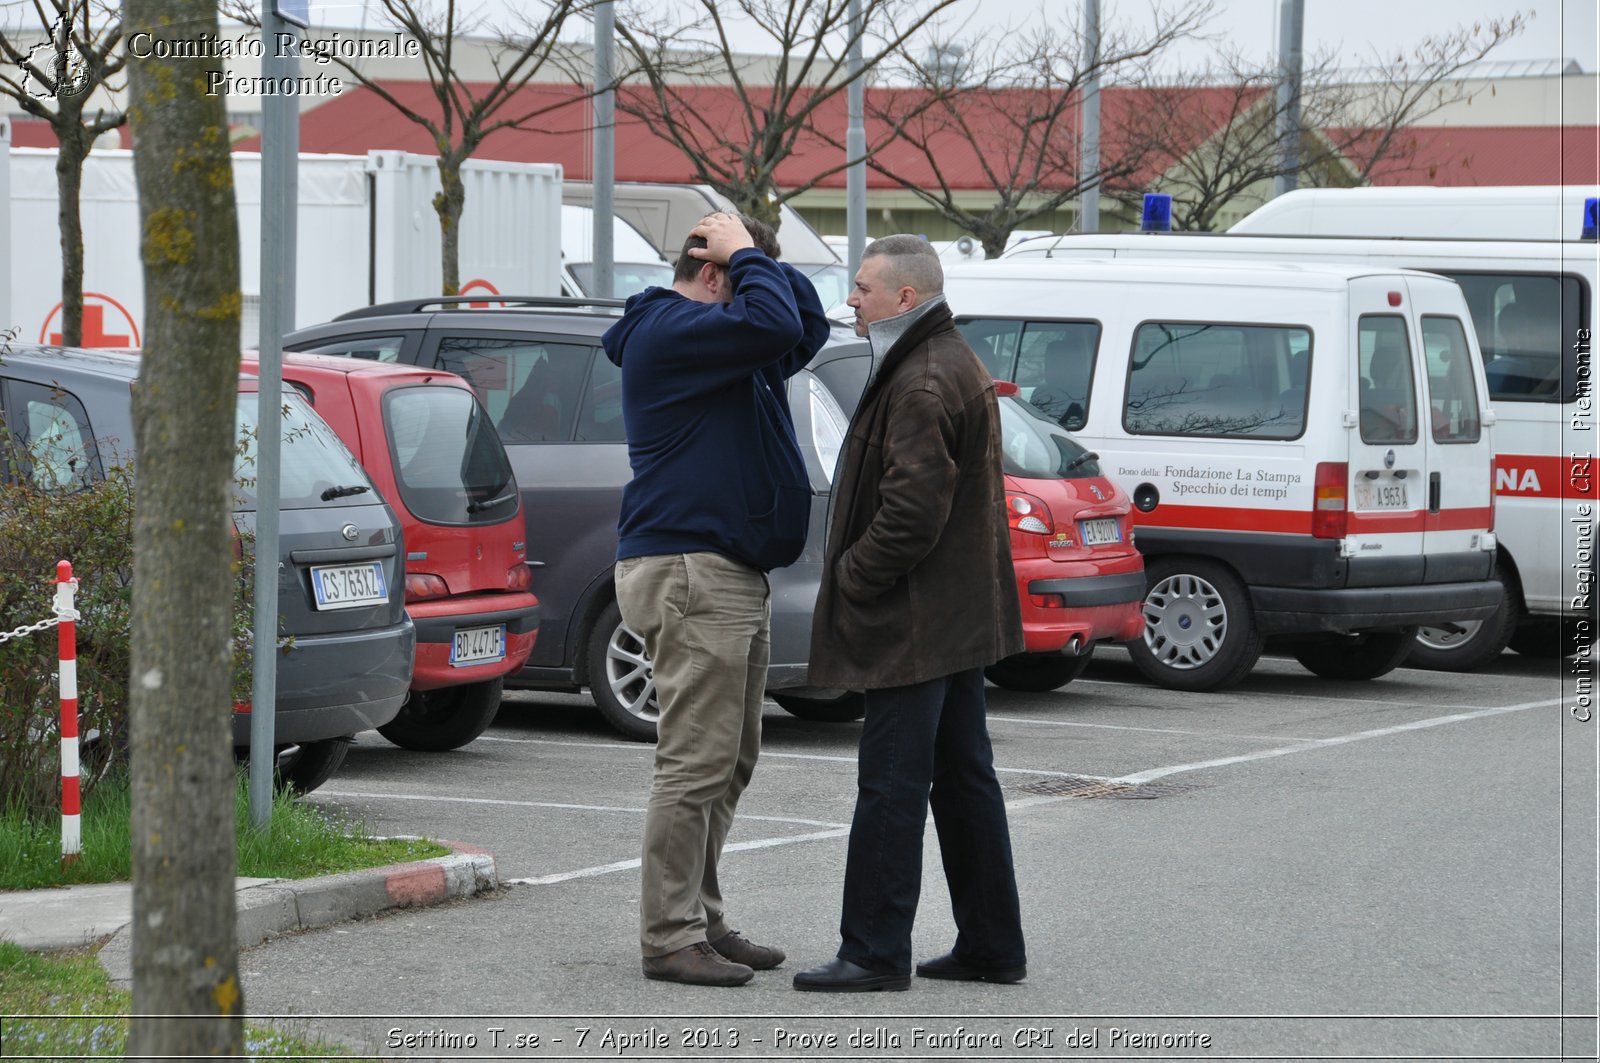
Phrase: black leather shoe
(948,966)
(839,975)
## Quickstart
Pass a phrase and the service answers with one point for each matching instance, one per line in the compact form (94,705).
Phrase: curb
(285,906)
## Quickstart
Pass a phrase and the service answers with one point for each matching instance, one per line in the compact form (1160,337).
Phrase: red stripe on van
(1544,476)
(1296,522)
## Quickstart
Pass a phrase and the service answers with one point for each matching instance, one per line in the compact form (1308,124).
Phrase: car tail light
(519,577)
(1029,514)
(1048,601)
(1330,511)
(421,587)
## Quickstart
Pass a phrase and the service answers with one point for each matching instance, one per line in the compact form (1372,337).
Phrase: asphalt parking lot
(1297,868)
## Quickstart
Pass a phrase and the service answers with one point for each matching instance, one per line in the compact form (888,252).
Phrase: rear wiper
(1082,459)
(340,492)
(479,507)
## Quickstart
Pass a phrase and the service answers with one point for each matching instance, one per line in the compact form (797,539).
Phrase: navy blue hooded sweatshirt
(716,466)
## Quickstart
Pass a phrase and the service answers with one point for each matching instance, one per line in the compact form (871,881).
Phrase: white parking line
(1323,743)
(375,795)
(1149,730)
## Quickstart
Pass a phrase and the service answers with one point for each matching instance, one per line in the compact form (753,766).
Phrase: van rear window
(1198,378)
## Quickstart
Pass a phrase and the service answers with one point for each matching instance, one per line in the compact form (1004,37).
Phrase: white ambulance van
(1308,447)
(1534,313)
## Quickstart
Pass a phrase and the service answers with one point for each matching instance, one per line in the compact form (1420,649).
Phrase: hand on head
(724,234)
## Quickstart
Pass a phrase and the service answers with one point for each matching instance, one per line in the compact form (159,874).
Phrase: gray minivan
(346,664)
(556,400)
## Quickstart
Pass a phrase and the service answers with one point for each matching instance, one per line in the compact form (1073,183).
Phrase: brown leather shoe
(740,949)
(697,964)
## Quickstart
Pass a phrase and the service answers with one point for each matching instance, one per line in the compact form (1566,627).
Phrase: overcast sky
(1559,29)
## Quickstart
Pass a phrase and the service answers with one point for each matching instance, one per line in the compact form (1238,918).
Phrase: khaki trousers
(706,622)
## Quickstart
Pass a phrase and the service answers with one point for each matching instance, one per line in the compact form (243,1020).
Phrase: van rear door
(1389,468)
(1460,454)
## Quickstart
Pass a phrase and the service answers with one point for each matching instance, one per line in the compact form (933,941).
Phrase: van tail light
(519,577)
(1330,500)
(1029,514)
(421,587)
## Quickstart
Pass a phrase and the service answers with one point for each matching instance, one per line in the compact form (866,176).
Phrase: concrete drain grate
(1077,786)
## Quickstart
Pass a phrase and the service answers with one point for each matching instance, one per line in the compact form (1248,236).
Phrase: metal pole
(1291,31)
(280,148)
(605,151)
(1089,202)
(855,147)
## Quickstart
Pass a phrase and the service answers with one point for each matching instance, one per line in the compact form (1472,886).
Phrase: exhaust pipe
(1074,647)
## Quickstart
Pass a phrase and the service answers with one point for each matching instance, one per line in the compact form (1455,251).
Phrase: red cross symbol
(94,324)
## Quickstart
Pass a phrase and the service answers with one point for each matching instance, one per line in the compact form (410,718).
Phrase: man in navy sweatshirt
(719,497)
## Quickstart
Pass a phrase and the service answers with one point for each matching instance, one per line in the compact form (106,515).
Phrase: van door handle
(1433,492)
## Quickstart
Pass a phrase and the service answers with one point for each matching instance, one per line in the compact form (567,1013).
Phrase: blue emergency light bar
(1591,219)
(1157,213)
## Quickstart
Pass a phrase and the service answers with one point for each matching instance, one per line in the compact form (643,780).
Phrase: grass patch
(72,1011)
(300,841)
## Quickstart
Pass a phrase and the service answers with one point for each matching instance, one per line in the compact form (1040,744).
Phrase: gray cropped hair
(911,262)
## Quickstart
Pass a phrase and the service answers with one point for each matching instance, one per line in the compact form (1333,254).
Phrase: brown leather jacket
(918,581)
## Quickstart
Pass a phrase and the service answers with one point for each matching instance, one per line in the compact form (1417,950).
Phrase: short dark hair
(760,232)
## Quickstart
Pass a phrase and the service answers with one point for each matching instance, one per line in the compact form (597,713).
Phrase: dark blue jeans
(928,744)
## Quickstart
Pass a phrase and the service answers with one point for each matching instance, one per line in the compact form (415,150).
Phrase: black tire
(1200,633)
(842,709)
(1364,656)
(436,721)
(1543,641)
(1037,672)
(1463,645)
(307,766)
(621,680)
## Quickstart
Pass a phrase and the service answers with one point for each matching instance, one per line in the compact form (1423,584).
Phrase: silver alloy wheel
(630,676)
(1185,621)
(1451,636)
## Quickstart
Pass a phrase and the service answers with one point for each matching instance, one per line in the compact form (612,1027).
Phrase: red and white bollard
(67,642)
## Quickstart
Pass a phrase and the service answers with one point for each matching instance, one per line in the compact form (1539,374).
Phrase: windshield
(448,459)
(627,278)
(1035,447)
(314,462)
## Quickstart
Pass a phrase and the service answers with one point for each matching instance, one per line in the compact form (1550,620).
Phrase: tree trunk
(74,148)
(185,960)
(449,203)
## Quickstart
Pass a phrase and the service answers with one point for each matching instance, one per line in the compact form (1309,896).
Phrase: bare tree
(462,112)
(735,140)
(52,70)
(1212,136)
(184,948)
(1005,117)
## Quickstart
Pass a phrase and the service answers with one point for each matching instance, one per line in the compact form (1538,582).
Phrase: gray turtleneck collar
(884,334)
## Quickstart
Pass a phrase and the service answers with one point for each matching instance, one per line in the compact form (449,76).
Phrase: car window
(448,460)
(1034,446)
(530,388)
(1388,392)
(315,464)
(1521,320)
(1201,378)
(371,348)
(600,415)
(1452,399)
(1051,361)
(54,446)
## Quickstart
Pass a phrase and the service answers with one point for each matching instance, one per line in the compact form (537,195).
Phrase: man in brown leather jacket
(917,597)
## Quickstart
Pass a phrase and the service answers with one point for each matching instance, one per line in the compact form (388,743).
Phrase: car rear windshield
(1034,447)
(448,459)
(316,468)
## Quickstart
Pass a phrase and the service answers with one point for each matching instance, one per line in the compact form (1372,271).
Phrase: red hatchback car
(1079,576)
(428,445)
